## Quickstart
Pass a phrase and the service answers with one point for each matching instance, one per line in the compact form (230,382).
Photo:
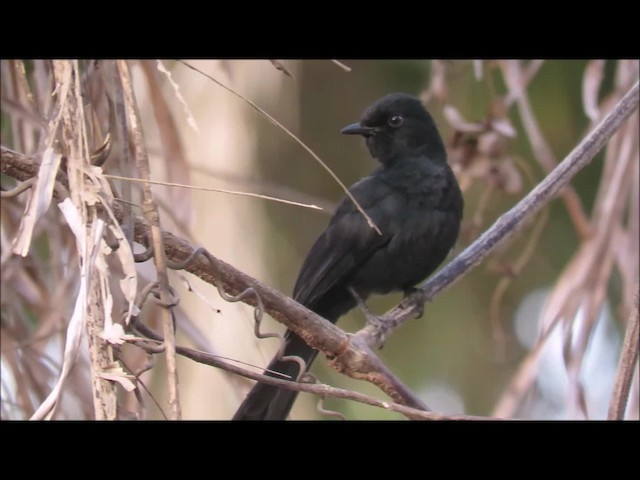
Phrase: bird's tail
(266,402)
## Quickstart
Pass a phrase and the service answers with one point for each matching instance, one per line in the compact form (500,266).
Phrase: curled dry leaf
(479,149)
(113,333)
(503,126)
(75,328)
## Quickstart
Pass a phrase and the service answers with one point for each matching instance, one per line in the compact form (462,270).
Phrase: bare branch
(628,363)
(544,155)
(315,388)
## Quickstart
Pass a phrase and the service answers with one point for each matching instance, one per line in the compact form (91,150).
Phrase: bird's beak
(358,129)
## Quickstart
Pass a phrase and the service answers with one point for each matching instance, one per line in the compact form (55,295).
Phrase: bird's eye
(396,121)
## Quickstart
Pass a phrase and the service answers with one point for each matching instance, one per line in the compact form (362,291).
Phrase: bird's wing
(347,242)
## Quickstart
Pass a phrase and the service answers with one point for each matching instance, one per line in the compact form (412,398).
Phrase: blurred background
(534,332)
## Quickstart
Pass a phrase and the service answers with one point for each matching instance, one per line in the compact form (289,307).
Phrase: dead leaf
(39,200)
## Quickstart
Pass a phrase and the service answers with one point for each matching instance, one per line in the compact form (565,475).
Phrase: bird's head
(398,126)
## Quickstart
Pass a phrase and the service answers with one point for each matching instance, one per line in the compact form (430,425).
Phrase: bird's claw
(419,306)
(372,319)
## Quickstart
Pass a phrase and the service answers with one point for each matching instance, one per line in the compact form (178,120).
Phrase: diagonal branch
(352,357)
(516,82)
(355,358)
(322,390)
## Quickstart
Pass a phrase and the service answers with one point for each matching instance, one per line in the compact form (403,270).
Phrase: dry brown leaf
(75,329)
(39,200)
(503,126)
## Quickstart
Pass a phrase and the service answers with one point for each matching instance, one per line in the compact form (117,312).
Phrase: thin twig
(265,187)
(19,189)
(211,189)
(150,210)
(315,388)
(292,135)
(344,67)
(628,363)
(516,80)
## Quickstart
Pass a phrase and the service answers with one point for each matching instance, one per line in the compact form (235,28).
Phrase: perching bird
(416,203)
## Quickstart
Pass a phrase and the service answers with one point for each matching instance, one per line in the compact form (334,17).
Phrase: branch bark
(318,389)
(628,361)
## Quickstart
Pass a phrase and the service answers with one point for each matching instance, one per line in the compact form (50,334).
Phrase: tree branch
(350,356)
(516,82)
(315,388)
(628,359)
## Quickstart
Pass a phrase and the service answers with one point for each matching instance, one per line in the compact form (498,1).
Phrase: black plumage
(416,203)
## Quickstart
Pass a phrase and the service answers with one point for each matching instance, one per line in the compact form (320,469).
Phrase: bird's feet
(419,306)
(372,319)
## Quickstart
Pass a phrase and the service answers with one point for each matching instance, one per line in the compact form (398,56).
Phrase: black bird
(415,201)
